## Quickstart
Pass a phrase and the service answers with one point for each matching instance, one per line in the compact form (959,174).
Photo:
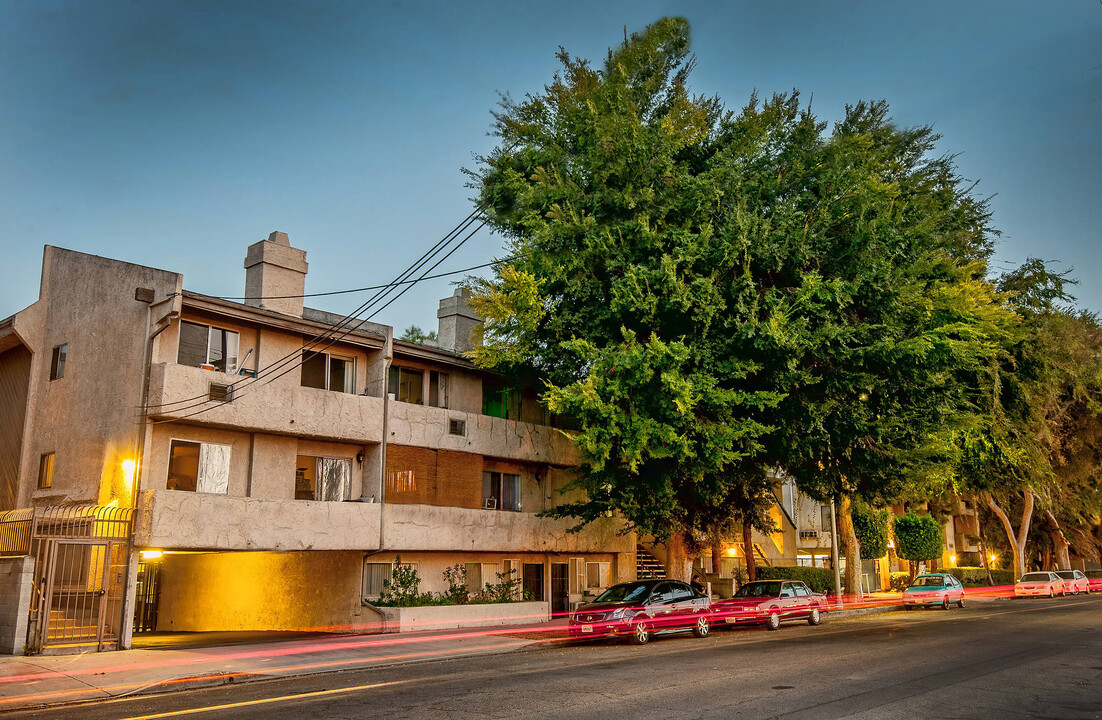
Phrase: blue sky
(175,134)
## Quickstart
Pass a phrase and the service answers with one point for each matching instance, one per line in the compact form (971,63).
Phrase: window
(323,478)
(405,385)
(500,491)
(46,470)
(438,389)
(501,402)
(596,575)
(57,362)
(206,345)
(824,518)
(198,467)
(328,372)
(375,575)
(479,575)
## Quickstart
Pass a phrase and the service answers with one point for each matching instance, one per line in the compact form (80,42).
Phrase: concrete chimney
(273,271)
(457,320)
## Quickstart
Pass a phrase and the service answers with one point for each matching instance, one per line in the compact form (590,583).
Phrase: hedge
(818,579)
(977,576)
(918,537)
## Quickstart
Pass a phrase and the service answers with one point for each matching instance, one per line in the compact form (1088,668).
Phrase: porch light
(953,560)
(150,554)
(128,471)
(730,552)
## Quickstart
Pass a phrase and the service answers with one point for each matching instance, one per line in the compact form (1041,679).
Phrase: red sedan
(770,602)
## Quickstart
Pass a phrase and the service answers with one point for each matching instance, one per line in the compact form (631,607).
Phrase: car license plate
(587,628)
(731,620)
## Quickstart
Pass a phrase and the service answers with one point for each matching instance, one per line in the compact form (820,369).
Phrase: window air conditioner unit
(489,503)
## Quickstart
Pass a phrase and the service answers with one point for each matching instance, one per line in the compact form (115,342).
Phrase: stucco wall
(88,417)
(263,591)
(16,585)
(426,527)
(172,519)
(493,437)
(282,407)
(444,617)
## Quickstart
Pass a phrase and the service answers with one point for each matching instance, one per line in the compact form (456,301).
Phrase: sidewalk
(34,681)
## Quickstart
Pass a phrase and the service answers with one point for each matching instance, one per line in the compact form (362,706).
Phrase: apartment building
(174,461)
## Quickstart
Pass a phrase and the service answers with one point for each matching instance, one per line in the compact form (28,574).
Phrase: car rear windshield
(1066,574)
(1035,577)
(928,581)
(759,589)
(628,592)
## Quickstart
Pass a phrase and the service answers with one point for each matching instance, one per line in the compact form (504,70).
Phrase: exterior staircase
(646,567)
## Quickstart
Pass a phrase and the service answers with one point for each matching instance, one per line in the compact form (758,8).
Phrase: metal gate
(81,558)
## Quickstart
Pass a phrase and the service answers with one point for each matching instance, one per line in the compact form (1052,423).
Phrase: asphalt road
(999,659)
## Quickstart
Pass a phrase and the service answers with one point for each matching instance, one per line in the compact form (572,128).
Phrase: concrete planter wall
(442,617)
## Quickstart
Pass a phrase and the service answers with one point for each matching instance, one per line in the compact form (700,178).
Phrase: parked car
(642,608)
(1075,582)
(770,602)
(1039,583)
(1094,577)
(934,589)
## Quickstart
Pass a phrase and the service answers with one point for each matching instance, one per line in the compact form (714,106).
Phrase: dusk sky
(175,134)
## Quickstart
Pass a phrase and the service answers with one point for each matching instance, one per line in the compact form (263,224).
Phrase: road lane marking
(263,701)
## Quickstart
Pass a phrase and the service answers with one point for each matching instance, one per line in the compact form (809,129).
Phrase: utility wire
(334,327)
(301,352)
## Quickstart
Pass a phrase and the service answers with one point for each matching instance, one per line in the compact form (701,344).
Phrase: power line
(363,289)
(383,292)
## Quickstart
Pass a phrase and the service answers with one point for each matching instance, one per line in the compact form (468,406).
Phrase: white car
(1046,584)
(1075,582)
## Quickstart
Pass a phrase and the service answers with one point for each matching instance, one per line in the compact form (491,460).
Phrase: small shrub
(458,593)
(818,579)
(504,590)
(871,528)
(899,580)
(401,590)
(918,537)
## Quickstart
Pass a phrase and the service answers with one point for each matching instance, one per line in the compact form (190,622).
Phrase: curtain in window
(510,492)
(214,469)
(336,478)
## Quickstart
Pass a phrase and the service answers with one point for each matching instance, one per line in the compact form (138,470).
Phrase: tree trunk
(717,553)
(1017,540)
(853,550)
(679,564)
(1059,542)
(748,551)
(986,566)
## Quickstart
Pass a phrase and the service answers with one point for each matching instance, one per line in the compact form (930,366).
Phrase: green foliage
(820,580)
(415,334)
(871,528)
(977,576)
(401,590)
(899,580)
(918,537)
(708,294)
(506,589)
(458,593)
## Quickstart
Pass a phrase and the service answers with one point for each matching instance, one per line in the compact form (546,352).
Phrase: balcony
(177,520)
(280,408)
(423,426)
(432,528)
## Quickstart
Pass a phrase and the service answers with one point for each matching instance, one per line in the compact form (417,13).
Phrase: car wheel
(945,603)
(701,628)
(814,618)
(640,633)
(960,603)
(773,622)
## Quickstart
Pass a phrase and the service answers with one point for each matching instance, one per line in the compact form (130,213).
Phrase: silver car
(1075,582)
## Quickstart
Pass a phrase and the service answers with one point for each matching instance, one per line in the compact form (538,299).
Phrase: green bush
(899,580)
(918,537)
(871,528)
(818,579)
(977,576)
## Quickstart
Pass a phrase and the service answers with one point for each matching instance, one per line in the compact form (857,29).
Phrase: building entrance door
(560,587)
(532,580)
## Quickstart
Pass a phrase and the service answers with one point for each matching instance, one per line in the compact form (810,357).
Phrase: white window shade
(336,478)
(214,469)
